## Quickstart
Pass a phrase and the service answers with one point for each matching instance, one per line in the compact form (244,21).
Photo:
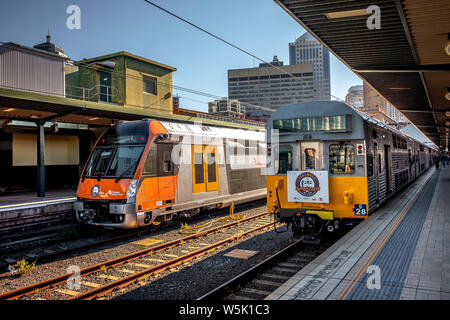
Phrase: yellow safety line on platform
(351,285)
(36,202)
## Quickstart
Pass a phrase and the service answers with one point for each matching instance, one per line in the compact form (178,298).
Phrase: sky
(260,27)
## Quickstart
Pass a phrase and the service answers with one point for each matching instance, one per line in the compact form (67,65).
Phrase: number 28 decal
(360,210)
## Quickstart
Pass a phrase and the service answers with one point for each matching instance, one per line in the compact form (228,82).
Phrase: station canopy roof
(31,106)
(405,60)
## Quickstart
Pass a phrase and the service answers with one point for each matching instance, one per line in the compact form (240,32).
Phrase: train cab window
(310,159)
(342,158)
(285,159)
(369,165)
(98,162)
(150,163)
(125,161)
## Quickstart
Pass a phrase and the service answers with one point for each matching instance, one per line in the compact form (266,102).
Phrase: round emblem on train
(95,190)
(307,184)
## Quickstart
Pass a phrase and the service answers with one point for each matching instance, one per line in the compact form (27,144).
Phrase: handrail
(85,93)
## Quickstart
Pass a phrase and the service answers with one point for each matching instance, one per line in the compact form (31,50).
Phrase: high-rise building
(374,102)
(269,87)
(307,50)
(354,96)
(227,107)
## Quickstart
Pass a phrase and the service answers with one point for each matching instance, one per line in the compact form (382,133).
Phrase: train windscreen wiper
(123,175)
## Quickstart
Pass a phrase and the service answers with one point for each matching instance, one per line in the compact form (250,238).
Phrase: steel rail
(17,293)
(250,273)
(109,287)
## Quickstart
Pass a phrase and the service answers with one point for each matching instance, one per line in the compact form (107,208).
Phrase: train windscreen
(118,151)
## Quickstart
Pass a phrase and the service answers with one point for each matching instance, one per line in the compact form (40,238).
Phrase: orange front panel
(154,191)
(109,189)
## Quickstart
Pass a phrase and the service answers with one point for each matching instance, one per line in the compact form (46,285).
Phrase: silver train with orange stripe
(145,171)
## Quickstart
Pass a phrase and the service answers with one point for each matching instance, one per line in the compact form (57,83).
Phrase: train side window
(198,163)
(167,165)
(150,163)
(342,158)
(211,163)
(379,163)
(369,165)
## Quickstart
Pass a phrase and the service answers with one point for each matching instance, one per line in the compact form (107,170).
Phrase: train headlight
(132,188)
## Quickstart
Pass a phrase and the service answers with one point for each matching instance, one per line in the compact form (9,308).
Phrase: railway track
(45,239)
(261,280)
(107,276)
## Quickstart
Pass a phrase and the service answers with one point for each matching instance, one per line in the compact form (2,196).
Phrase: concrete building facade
(307,50)
(270,88)
(123,78)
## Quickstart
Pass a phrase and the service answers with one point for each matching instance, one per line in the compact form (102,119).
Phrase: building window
(150,85)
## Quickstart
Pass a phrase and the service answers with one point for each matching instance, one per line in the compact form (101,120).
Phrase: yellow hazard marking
(324,215)
(68,292)
(147,242)
(170,255)
(35,202)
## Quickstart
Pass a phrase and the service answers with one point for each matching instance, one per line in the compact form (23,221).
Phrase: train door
(387,167)
(204,169)
(311,158)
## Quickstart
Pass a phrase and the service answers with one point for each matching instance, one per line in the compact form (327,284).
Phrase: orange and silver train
(330,164)
(141,172)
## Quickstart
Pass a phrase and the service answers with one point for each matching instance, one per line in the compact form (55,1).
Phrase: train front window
(284,162)
(114,161)
(125,161)
(310,159)
(99,161)
(342,158)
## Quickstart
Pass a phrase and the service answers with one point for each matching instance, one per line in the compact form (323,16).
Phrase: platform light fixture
(346,14)
(9,110)
(447,94)
(447,113)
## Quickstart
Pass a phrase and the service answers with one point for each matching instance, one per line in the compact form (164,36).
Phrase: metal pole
(40,160)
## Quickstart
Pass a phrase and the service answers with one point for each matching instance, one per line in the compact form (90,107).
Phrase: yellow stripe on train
(344,194)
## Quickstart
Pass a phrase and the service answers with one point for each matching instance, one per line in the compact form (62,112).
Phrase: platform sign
(308,186)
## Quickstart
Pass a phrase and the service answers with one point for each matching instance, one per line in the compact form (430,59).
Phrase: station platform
(401,252)
(24,209)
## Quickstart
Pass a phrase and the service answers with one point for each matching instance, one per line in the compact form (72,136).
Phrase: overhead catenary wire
(226,42)
(159,82)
